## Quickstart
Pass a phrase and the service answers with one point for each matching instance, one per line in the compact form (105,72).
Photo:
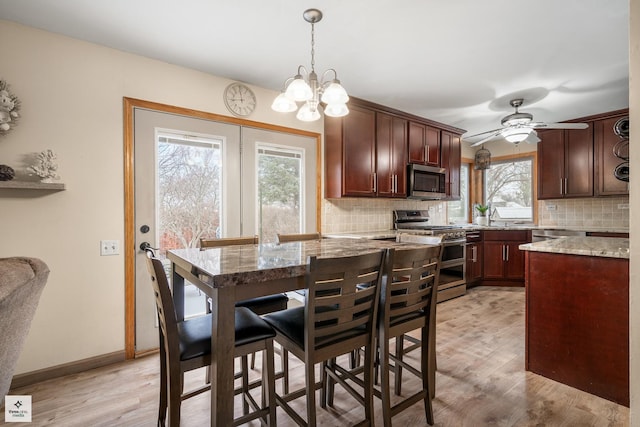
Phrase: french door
(196,177)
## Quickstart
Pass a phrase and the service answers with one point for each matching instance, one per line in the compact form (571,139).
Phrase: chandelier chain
(313,43)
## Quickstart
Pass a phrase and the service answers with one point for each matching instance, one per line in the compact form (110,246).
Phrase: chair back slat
(283,238)
(228,241)
(165,308)
(343,296)
(412,283)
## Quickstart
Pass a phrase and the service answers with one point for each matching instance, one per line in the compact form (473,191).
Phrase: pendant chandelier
(305,88)
(482,160)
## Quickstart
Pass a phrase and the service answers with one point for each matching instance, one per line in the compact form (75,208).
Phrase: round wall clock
(239,99)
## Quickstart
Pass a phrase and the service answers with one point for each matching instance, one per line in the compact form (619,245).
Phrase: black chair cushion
(195,334)
(266,304)
(291,324)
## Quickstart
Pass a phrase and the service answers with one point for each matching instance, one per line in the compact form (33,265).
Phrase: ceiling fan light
(516,135)
(284,104)
(336,110)
(308,113)
(299,90)
(335,94)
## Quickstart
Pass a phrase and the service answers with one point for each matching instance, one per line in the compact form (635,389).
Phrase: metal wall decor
(9,108)
(482,159)
(621,149)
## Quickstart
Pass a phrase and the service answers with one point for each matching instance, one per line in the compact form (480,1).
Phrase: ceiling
(457,62)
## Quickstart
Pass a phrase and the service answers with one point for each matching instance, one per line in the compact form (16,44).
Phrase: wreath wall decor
(9,108)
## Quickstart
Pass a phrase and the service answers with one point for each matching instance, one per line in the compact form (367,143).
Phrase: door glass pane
(280,196)
(188,197)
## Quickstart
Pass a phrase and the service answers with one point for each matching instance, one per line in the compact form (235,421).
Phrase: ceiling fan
(518,127)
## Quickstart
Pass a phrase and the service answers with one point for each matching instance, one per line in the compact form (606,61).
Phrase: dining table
(233,273)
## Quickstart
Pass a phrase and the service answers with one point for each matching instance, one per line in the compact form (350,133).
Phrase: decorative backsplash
(359,214)
(593,212)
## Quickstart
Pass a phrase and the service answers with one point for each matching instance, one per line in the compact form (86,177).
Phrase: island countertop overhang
(609,247)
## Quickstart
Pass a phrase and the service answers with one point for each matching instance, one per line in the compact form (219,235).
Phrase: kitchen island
(577,313)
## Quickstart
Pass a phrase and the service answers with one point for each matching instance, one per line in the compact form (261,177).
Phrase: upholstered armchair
(21,283)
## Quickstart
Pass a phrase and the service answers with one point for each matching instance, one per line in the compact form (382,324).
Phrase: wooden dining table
(233,273)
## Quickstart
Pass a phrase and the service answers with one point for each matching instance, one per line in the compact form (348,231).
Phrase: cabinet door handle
(375,182)
(474,251)
(506,252)
(504,258)
(396,183)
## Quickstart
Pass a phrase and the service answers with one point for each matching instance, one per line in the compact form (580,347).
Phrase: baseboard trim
(78,366)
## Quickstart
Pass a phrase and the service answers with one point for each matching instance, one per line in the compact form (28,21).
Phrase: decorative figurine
(46,167)
(6,173)
(9,107)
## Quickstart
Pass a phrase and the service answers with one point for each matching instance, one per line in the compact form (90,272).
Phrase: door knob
(146,245)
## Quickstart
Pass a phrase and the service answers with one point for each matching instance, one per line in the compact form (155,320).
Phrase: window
(508,189)
(458,211)
(280,195)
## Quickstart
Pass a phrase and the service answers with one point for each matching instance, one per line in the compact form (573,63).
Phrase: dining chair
(338,318)
(260,305)
(298,237)
(186,345)
(408,302)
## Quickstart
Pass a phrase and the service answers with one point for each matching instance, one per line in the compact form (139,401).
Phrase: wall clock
(239,99)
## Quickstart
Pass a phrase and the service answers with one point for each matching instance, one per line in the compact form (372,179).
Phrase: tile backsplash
(360,214)
(593,212)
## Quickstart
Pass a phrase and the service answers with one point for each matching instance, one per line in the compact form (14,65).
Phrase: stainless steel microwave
(425,182)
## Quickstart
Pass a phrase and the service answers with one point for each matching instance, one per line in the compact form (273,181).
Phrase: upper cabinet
(580,163)
(450,159)
(350,154)
(565,163)
(366,152)
(424,144)
(391,155)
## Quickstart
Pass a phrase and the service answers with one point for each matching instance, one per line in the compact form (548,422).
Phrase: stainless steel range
(413,226)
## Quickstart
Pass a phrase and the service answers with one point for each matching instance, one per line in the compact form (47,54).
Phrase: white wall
(71,94)
(634,281)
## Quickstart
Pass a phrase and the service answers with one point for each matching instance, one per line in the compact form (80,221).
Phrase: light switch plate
(109,247)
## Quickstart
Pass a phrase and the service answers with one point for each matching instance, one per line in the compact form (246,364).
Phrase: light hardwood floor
(481,381)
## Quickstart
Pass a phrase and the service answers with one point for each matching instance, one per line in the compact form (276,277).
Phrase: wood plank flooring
(481,381)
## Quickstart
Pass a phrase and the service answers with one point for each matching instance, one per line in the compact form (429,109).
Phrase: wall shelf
(30,185)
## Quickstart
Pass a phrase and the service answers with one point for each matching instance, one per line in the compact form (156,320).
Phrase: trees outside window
(508,187)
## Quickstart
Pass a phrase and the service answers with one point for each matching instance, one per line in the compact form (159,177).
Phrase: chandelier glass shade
(305,87)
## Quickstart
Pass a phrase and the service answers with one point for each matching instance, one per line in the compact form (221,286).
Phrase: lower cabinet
(503,261)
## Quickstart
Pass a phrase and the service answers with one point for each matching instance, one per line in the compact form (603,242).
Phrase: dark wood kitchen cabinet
(605,139)
(350,154)
(424,144)
(450,159)
(503,261)
(473,258)
(391,155)
(565,163)
(367,151)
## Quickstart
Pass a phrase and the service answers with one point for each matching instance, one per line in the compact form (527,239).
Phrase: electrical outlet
(623,205)
(109,247)
(552,207)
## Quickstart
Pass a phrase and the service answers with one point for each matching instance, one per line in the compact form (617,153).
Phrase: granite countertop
(609,247)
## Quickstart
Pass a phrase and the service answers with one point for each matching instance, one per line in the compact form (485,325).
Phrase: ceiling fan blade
(540,125)
(493,131)
(493,134)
